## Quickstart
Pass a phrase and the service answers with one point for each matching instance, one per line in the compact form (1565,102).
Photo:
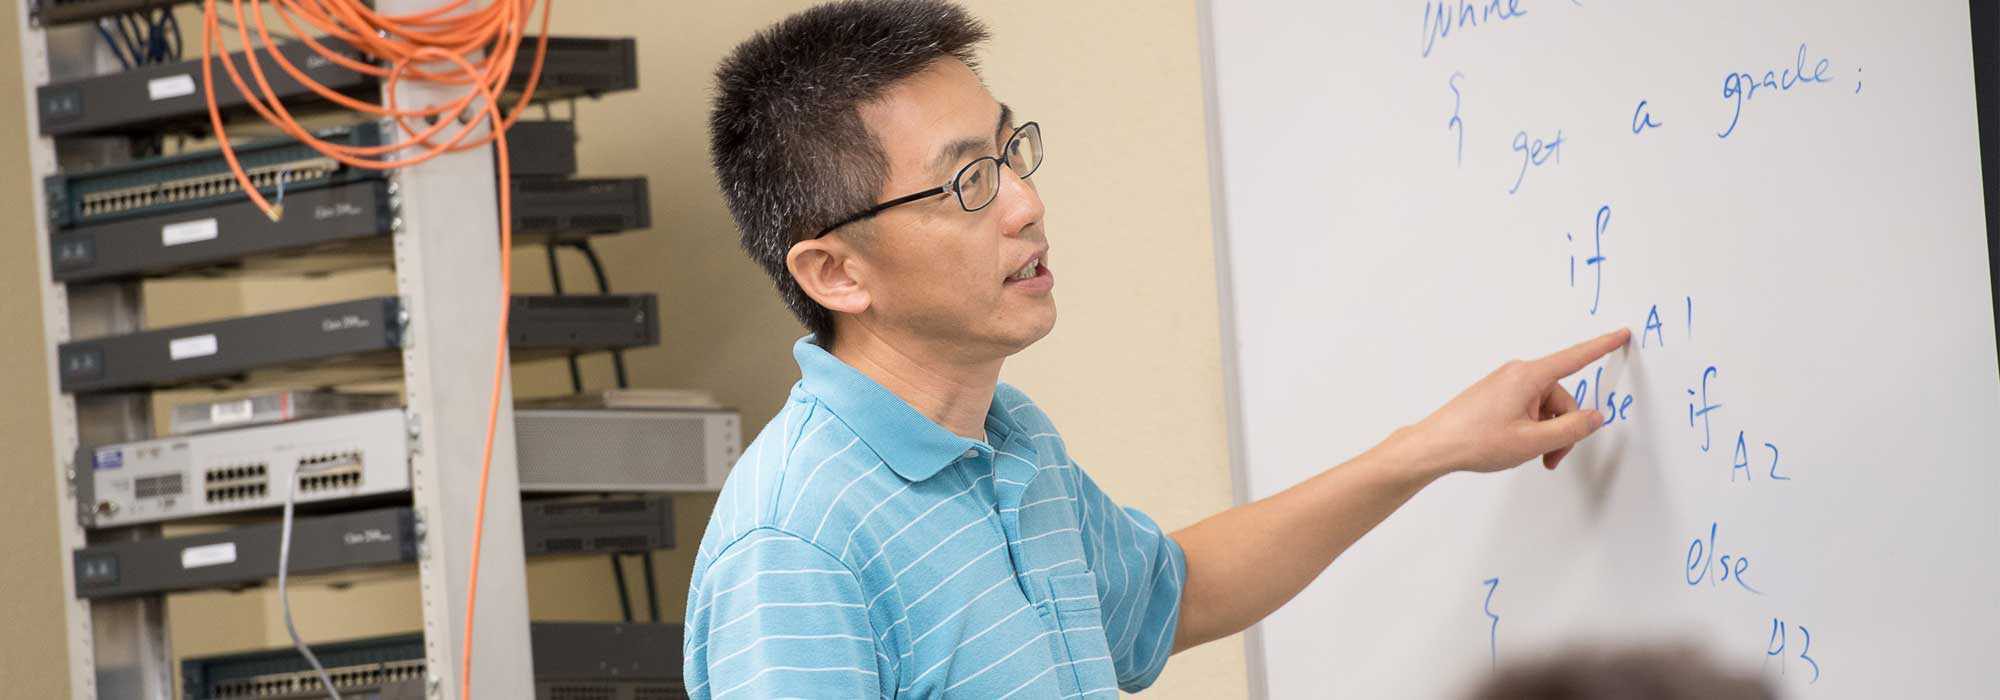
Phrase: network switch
(542,148)
(582,322)
(352,330)
(587,525)
(183,182)
(272,407)
(589,450)
(245,555)
(363,335)
(152,98)
(168,97)
(218,349)
(51,12)
(333,228)
(573,208)
(341,226)
(324,459)
(572,661)
(366,454)
(248,555)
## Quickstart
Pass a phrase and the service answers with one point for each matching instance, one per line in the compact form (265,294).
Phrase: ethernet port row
(331,459)
(322,482)
(245,471)
(227,494)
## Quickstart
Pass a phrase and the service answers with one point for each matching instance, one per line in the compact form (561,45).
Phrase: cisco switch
(572,661)
(248,555)
(364,333)
(570,209)
(168,97)
(582,322)
(365,454)
(187,181)
(342,457)
(164,357)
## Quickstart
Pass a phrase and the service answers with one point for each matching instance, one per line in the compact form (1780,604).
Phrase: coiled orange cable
(441,36)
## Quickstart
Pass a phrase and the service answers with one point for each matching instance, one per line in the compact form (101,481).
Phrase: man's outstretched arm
(1245,562)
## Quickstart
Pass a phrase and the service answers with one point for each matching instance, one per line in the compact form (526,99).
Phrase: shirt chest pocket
(1081,620)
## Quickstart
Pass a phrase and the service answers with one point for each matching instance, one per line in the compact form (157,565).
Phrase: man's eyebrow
(962,149)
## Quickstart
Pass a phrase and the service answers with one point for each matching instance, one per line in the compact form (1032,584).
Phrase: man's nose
(1020,204)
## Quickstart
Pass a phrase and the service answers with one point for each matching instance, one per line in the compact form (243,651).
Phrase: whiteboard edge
(1239,474)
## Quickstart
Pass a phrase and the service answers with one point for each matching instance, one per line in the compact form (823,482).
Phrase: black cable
(555,271)
(624,598)
(112,44)
(156,36)
(167,19)
(555,282)
(652,595)
(604,287)
(576,386)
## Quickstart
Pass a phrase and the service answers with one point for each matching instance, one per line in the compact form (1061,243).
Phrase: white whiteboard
(1827,258)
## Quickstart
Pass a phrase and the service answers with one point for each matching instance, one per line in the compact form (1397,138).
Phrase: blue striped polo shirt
(859,549)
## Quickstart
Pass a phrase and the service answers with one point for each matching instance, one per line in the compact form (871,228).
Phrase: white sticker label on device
(227,412)
(170,86)
(208,555)
(192,346)
(187,232)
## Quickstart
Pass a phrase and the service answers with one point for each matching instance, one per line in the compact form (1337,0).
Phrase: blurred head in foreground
(1675,673)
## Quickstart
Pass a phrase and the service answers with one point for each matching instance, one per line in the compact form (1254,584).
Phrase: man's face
(934,271)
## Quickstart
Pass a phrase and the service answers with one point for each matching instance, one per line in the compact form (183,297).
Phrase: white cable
(285,601)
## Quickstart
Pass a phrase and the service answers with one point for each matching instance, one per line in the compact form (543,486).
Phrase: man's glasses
(976,184)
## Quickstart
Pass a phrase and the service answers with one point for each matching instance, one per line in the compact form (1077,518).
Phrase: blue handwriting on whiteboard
(1534,152)
(1653,327)
(1442,17)
(1776,648)
(1741,462)
(1616,408)
(1493,630)
(1702,560)
(1642,119)
(1596,261)
(1705,407)
(1738,88)
(1456,124)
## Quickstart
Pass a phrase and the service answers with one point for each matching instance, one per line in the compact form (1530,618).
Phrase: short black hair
(786,137)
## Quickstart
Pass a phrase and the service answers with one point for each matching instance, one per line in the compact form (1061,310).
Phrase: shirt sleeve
(1140,573)
(775,616)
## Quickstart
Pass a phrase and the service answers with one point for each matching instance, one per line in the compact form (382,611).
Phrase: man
(907,525)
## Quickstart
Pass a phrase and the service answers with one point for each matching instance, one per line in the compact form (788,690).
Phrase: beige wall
(32,656)
(1132,372)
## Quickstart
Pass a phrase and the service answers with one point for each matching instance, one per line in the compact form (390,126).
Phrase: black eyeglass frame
(950,187)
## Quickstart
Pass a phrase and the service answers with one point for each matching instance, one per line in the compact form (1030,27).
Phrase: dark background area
(1986,86)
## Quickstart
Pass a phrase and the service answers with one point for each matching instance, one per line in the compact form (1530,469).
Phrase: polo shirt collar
(909,442)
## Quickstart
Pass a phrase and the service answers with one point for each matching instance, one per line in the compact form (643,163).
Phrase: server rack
(446,269)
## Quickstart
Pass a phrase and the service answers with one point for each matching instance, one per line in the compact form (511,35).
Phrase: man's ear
(825,268)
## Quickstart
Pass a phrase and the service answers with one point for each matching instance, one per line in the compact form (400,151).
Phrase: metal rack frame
(447,268)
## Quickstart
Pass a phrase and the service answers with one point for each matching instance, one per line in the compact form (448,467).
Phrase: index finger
(1568,361)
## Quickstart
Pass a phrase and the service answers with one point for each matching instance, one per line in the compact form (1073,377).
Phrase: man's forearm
(1245,562)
